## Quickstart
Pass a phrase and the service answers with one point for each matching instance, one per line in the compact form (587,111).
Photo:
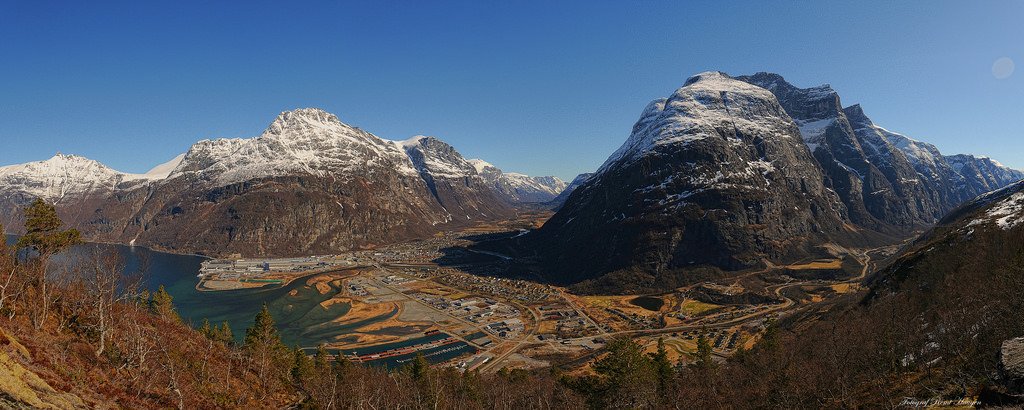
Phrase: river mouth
(309,311)
(650,303)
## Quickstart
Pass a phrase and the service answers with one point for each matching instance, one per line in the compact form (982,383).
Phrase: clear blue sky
(546,87)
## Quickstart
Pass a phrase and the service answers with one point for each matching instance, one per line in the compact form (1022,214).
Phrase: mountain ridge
(308,175)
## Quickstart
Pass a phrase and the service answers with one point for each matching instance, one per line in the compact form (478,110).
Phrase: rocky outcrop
(1011,364)
(888,182)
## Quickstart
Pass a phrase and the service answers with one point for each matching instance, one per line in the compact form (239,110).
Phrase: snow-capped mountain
(308,184)
(715,174)
(518,188)
(451,179)
(887,181)
(70,177)
(304,141)
(564,195)
(728,173)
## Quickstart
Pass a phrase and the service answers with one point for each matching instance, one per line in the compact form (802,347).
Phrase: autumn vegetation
(87,335)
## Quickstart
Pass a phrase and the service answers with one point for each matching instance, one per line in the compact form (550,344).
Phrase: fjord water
(177,273)
(297,310)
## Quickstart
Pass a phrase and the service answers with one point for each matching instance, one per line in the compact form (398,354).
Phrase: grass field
(695,307)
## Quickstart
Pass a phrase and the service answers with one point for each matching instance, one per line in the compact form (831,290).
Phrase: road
(864,258)
(487,366)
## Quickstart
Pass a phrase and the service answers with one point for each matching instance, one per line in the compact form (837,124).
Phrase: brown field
(621,303)
(819,264)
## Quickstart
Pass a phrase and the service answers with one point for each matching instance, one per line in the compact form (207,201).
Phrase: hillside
(941,322)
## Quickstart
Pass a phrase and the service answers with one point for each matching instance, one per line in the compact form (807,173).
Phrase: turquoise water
(300,319)
(435,355)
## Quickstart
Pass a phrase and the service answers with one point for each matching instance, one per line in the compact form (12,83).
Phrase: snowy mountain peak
(302,118)
(435,157)
(718,81)
(59,177)
(480,165)
(303,141)
(778,85)
(416,140)
(692,113)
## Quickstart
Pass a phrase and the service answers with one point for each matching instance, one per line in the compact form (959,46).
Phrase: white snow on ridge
(436,157)
(518,186)
(1006,214)
(304,141)
(60,177)
(307,140)
(480,165)
(813,131)
(158,172)
(707,102)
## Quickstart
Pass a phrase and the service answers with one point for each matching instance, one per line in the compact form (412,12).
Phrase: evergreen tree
(419,368)
(268,356)
(44,237)
(703,359)
(663,367)
(223,334)
(302,366)
(263,330)
(42,230)
(628,376)
(206,330)
(322,359)
(163,304)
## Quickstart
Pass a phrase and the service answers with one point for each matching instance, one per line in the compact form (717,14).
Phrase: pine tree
(663,367)
(44,237)
(206,330)
(628,375)
(267,354)
(42,230)
(419,368)
(163,304)
(223,334)
(302,366)
(263,330)
(703,360)
(322,359)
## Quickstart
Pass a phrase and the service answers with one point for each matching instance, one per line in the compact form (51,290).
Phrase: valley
(381,307)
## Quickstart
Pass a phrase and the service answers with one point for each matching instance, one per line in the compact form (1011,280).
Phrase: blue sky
(537,87)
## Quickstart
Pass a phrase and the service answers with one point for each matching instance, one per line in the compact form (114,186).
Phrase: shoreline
(149,248)
(280,285)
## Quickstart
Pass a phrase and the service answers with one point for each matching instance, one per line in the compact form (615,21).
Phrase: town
(407,298)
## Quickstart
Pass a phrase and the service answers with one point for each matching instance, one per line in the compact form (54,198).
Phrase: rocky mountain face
(877,185)
(716,174)
(517,188)
(452,180)
(562,197)
(887,181)
(308,184)
(732,173)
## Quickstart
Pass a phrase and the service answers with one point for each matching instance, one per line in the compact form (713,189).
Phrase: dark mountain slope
(716,174)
